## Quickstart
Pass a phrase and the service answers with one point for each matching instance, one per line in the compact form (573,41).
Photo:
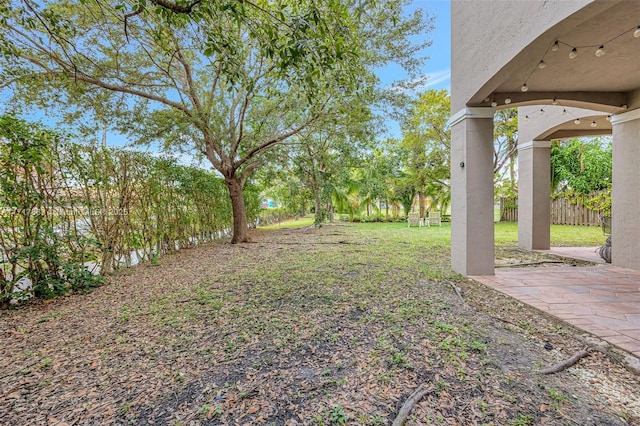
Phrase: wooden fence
(563,212)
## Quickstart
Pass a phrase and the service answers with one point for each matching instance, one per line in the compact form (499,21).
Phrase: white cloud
(424,82)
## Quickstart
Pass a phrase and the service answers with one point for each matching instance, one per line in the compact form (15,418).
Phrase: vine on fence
(67,207)
(598,202)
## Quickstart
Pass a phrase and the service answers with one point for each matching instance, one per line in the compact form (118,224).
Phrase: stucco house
(579,60)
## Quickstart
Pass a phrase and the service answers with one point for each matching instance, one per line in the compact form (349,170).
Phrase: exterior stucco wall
(625,192)
(472,243)
(553,122)
(478,54)
(534,195)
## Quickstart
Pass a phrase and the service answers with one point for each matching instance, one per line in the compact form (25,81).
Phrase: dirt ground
(322,326)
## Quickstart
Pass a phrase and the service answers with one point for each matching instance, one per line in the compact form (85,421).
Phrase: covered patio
(579,56)
(573,69)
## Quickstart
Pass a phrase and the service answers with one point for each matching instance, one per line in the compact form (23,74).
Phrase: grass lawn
(505,232)
(305,326)
(561,235)
(291,223)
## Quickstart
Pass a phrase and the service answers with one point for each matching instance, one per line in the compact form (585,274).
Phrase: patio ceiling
(606,83)
(551,122)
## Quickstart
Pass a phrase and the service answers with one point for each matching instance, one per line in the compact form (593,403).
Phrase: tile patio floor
(603,300)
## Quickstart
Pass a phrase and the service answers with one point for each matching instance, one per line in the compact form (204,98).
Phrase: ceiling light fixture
(541,111)
(600,52)
(564,111)
(494,104)
(636,33)
(556,46)
(609,117)
(554,101)
(507,101)
(542,65)
(573,53)
(524,87)
(576,121)
(594,124)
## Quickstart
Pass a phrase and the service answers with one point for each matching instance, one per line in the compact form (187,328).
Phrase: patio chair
(413,218)
(434,218)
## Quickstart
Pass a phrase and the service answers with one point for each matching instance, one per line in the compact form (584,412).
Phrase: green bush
(63,205)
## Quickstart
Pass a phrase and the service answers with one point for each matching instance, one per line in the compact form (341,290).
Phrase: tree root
(609,351)
(406,408)
(541,262)
(459,293)
(566,363)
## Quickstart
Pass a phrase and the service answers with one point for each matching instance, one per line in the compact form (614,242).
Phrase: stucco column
(472,240)
(625,193)
(534,195)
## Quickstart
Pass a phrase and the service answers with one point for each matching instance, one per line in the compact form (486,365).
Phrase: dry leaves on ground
(337,325)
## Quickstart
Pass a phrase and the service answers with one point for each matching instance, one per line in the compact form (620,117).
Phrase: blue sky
(436,71)
(438,67)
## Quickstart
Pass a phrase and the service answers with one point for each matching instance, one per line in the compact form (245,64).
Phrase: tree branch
(71,69)
(126,17)
(177,8)
(275,140)
(247,171)
(193,95)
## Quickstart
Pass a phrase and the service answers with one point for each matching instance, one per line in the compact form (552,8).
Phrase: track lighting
(494,104)
(573,53)
(600,52)
(524,87)
(564,111)
(541,111)
(507,101)
(556,45)
(594,124)
(576,121)
(541,65)
(554,101)
(609,117)
(636,33)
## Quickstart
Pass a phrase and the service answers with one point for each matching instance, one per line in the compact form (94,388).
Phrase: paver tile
(603,300)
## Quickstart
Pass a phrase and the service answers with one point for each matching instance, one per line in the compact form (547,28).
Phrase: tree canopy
(582,165)
(230,79)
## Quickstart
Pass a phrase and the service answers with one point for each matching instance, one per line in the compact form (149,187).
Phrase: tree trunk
(421,202)
(319,216)
(512,161)
(240,228)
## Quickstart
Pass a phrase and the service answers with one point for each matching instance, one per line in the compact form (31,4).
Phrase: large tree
(427,144)
(427,141)
(231,79)
(323,155)
(505,149)
(582,165)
